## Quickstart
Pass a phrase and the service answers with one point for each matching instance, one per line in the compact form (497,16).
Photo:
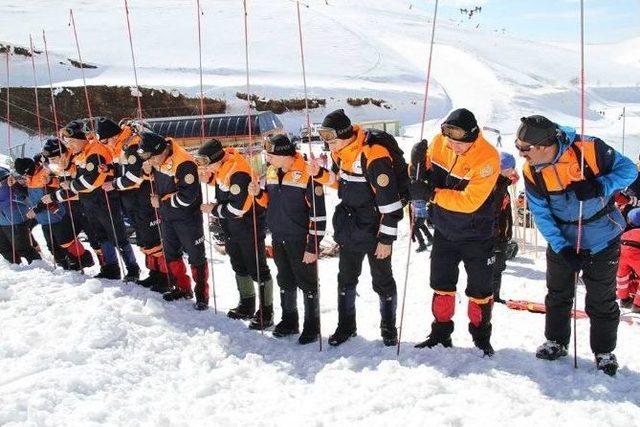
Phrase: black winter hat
(74,129)
(338,121)
(106,128)
(213,150)
(24,166)
(465,120)
(53,147)
(537,130)
(152,143)
(281,145)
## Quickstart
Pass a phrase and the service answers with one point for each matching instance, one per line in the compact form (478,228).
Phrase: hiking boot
(421,248)
(109,271)
(287,326)
(486,347)
(263,319)
(148,282)
(345,330)
(176,294)
(434,340)
(133,274)
(201,305)
(244,310)
(607,363)
(311,327)
(551,350)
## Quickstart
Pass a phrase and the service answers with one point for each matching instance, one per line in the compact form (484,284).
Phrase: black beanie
(53,147)
(537,130)
(281,145)
(106,128)
(152,143)
(338,121)
(465,120)
(419,151)
(213,150)
(74,129)
(24,166)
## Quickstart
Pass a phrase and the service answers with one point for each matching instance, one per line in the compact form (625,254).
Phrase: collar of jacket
(350,151)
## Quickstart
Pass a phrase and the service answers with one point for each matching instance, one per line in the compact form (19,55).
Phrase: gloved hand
(576,261)
(586,189)
(420,190)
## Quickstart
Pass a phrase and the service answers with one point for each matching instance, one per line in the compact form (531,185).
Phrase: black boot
(440,334)
(626,302)
(346,317)
(263,318)
(311,328)
(86,260)
(176,293)
(388,329)
(109,271)
(133,273)
(289,323)
(421,247)
(161,282)
(149,281)
(244,310)
(607,363)
(551,350)
(481,334)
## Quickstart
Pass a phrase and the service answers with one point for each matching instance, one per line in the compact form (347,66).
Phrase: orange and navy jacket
(296,209)
(556,208)
(128,163)
(234,203)
(92,170)
(178,185)
(463,203)
(39,184)
(370,206)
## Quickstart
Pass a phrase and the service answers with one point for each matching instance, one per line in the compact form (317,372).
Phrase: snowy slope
(75,351)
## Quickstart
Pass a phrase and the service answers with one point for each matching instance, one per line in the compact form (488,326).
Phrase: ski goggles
(201,161)
(327,134)
(454,132)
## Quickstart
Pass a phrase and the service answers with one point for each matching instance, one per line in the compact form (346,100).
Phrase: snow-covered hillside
(78,351)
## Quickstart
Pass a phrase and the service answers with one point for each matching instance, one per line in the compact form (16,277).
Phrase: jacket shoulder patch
(235,189)
(486,171)
(383,180)
(189,178)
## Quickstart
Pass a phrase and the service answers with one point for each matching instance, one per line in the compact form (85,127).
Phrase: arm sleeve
(616,171)
(476,192)
(382,179)
(237,204)
(90,175)
(188,185)
(314,196)
(132,175)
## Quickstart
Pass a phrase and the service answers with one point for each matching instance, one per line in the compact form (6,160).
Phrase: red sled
(536,307)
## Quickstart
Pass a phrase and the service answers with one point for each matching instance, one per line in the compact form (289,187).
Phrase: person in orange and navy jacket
(93,168)
(559,190)
(628,275)
(365,222)
(461,170)
(134,187)
(231,174)
(178,197)
(296,216)
(67,250)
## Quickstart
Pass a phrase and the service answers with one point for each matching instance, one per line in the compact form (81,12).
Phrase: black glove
(420,190)
(586,189)
(576,261)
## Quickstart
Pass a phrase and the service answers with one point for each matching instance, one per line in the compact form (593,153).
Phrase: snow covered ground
(77,351)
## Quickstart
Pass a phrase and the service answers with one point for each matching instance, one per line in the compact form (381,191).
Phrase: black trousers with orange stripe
(477,258)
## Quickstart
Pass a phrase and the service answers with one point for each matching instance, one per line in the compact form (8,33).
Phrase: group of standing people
(97,171)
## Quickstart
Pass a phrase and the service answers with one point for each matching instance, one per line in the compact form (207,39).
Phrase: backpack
(400,167)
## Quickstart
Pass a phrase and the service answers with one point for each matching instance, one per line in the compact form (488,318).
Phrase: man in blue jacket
(559,190)
(15,234)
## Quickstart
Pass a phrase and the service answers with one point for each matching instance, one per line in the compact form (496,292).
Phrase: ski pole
(13,235)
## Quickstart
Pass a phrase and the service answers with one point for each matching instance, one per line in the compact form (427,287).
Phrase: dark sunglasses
(523,149)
